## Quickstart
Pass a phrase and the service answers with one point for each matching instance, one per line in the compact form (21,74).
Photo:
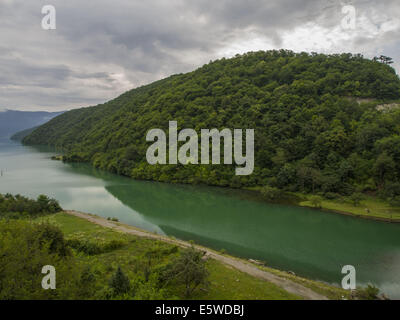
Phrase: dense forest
(318,119)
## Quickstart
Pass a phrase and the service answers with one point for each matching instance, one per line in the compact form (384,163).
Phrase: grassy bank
(370,207)
(99,258)
(225,282)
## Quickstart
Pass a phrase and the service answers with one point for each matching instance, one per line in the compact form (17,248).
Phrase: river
(310,243)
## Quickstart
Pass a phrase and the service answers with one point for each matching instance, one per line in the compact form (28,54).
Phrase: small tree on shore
(356,198)
(270,193)
(316,201)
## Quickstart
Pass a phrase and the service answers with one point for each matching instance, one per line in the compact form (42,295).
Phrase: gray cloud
(103,48)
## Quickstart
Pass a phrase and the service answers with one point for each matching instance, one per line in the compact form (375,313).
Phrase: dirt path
(241,265)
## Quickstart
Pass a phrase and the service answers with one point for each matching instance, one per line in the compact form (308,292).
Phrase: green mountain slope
(311,133)
(19,136)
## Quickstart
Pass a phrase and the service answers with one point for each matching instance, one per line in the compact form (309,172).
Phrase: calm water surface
(308,242)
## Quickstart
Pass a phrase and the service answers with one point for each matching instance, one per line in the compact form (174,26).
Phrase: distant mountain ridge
(12,121)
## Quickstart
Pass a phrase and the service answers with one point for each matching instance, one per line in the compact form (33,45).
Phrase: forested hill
(311,131)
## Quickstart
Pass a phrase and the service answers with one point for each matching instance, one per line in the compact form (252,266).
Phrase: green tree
(22,259)
(188,269)
(316,201)
(49,235)
(384,59)
(119,282)
(356,198)
(395,201)
(270,193)
(384,167)
(43,202)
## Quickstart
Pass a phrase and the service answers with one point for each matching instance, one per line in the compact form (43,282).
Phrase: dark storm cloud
(102,48)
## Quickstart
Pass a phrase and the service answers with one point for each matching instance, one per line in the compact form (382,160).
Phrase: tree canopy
(21,207)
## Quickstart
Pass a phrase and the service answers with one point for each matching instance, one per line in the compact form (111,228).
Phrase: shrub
(331,196)
(356,198)
(85,246)
(92,248)
(48,205)
(87,282)
(14,207)
(112,245)
(270,193)
(390,190)
(395,201)
(51,235)
(369,293)
(316,201)
(20,271)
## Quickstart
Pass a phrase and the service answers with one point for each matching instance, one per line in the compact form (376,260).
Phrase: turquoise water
(308,242)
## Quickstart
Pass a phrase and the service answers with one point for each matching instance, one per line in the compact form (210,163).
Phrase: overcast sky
(102,48)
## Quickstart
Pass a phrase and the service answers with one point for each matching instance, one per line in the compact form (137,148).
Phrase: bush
(395,201)
(356,198)
(92,248)
(48,205)
(331,196)
(369,293)
(113,245)
(15,207)
(51,235)
(390,190)
(87,282)
(316,201)
(20,271)
(270,193)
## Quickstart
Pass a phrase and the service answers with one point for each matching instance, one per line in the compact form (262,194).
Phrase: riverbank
(371,208)
(294,285)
